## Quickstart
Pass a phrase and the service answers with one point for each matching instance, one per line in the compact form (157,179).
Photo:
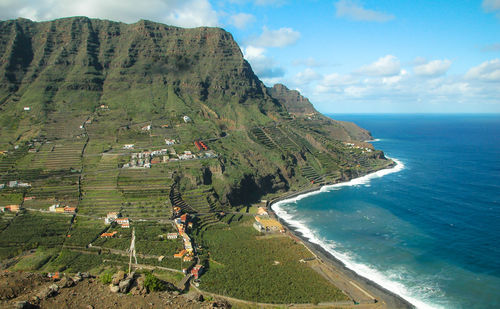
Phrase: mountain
(294,102)
(99,82)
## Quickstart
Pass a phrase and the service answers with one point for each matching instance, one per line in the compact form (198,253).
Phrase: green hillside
(77,93)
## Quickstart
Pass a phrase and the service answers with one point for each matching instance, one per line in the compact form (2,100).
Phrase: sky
(346,56)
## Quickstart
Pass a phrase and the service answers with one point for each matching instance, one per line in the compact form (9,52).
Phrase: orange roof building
(180,254)
(107,235)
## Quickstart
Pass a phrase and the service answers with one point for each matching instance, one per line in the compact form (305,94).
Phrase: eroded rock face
(294,102)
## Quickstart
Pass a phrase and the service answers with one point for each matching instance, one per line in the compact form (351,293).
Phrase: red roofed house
(184,218)
(197,271)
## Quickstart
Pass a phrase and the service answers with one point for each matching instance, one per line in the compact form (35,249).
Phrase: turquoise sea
(429,229)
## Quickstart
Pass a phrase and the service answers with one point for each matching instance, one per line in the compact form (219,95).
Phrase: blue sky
(346,56)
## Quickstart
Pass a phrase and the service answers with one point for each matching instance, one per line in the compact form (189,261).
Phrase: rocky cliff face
(294,102)
(90,85)
(76,64)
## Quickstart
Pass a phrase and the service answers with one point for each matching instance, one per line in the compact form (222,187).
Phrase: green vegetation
(153,284)
(133,84)
(243,265)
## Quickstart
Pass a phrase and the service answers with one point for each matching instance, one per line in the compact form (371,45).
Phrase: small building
(128,146)
(169,141)
(123,222)
(197,271)
(172,235)
(69,210)
(27,108)
(186,119)
(180,254)
(53,207)
(12,184)
(261,211)
(187,258)
(12,208)
(111,217)
(2,185)
(184,218)
(29,198)
(108,235)
(146,128)
(263,224)
(60,210)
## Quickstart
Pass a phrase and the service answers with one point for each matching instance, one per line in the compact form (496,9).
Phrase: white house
(186,119)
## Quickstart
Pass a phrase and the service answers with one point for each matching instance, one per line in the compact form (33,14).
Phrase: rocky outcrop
(294,102)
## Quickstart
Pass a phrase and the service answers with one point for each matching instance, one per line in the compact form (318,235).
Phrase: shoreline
(337,267)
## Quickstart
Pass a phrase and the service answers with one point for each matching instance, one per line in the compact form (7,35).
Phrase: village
(146,159)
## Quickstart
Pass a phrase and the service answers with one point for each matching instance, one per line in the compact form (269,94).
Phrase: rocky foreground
(31,290)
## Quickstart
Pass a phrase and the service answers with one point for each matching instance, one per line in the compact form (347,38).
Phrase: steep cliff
(97,84)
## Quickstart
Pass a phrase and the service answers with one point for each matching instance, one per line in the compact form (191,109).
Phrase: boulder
(119,276)
(114,288)
(125,285)
(47,292)
(66,283)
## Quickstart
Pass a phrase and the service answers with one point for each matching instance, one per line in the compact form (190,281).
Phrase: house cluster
(10,208)
(16,184)
(146,158)
(264,223)
(182,223)
(60,209)
(117,218)
(169,142)
(352,145)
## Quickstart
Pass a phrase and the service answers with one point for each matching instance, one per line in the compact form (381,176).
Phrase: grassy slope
(148,73)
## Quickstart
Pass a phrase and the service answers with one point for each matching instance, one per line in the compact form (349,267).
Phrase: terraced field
(145,192)
(263,138)
(99,188)
(281,139)
(56,155)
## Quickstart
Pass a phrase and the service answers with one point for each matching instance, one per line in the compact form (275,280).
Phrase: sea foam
(385,280)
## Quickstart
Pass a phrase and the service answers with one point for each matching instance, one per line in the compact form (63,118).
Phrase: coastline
(353,283)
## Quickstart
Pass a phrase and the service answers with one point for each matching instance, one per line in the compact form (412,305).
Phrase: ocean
(428,229)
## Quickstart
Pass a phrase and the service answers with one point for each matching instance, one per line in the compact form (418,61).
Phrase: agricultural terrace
(247,265)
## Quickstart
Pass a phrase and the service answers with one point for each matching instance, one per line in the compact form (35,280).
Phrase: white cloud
(354,11)
(277,38)
(432,68)
(241,20)
(307,76)
(492,6)
(486,71)
(388,65)
(184,13)
(264,66)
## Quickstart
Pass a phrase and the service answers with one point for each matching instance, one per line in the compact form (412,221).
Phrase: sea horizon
(424,280)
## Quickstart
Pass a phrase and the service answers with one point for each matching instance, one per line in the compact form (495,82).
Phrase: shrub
(153,284)
(106,277)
